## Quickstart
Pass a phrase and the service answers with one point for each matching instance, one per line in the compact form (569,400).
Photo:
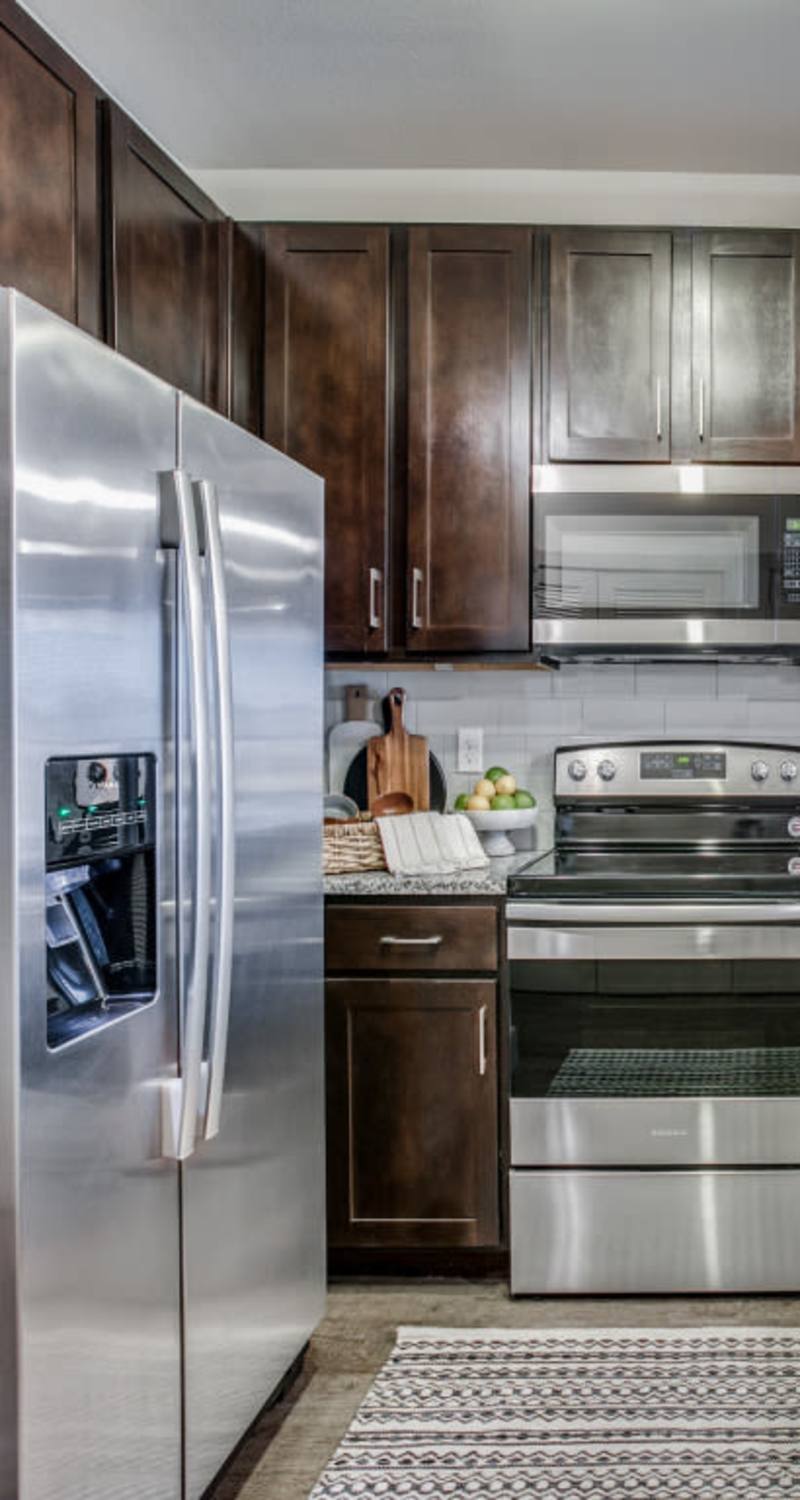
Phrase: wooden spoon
(391,804)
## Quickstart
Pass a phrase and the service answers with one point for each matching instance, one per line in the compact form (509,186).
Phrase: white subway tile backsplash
(709,719)
(774,717)
(582,680)
(525,715)
(759,680)
(616,717)
(674,680)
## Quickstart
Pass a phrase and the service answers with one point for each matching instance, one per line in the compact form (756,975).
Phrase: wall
(524,715)
(501,196)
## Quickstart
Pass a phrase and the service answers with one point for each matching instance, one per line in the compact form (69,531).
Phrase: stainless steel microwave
(653,562)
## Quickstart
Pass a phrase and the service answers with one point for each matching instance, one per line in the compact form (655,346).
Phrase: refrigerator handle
(223,696)
(182,1097)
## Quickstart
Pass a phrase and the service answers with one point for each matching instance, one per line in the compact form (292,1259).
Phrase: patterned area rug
(493,1414)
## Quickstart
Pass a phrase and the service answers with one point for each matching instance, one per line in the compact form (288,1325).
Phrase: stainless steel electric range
(654,960)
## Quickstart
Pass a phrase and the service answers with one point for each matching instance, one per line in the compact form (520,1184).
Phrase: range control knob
(788,770)
(97,773)
(759,770)
(606,770)
(577,770)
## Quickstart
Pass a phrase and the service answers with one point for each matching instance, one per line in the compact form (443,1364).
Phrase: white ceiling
(650,85)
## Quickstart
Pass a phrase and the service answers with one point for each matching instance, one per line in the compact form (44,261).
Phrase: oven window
(638,1028)
(695,564)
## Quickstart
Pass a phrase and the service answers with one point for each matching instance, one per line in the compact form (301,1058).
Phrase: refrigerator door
(253,1195)
(98,1234)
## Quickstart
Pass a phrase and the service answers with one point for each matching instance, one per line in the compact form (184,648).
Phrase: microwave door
(673,571)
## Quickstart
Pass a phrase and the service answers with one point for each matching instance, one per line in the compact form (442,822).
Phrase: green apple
(524,799)
(461,802)
(495,773)
(503,804)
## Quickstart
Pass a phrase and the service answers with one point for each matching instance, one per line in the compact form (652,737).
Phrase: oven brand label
(794,867)
(671,1132)
(793,828)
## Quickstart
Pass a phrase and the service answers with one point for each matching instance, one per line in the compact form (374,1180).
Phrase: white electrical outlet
(470,749)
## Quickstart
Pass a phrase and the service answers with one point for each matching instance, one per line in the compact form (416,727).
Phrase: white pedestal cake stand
(493,828)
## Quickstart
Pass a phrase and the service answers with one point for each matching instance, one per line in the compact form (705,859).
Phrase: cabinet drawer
(410,938)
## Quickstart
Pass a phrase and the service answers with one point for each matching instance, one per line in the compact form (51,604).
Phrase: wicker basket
(352,848)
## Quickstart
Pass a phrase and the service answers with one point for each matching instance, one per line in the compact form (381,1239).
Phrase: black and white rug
(699,1414)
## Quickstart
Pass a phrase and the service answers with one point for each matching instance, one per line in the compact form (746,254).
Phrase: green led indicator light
(142,801)
(93,808)
(64,812)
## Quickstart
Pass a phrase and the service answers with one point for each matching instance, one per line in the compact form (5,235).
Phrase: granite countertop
(491,881)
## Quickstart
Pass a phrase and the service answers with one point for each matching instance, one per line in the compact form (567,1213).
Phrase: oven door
(666,571)
(654,1035)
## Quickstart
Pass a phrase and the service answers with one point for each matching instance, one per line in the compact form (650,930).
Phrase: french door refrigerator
(161,1080)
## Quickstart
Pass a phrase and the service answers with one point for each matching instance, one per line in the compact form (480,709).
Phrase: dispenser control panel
(101,913)
(98,805)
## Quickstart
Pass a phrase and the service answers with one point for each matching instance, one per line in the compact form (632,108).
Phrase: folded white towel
(430,844)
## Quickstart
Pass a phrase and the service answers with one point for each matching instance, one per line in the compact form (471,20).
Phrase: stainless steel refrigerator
(161,1074)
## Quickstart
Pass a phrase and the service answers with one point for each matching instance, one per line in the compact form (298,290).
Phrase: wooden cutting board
(398,761)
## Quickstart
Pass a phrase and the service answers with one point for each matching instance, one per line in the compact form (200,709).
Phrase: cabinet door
(245,403)
(326,405)
(610,300)
(167,267)
(469,361)
(49,222)
(746,391)
(412,1112)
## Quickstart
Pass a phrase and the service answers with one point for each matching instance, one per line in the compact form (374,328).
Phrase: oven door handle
(659,944)
(652,913)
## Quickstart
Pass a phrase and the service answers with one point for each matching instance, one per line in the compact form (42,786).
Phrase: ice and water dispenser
(100,891)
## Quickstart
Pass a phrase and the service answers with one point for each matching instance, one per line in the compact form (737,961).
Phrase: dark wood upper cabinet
(166,266)
(245,403)
(412,1150)
(469,361)
(326,405)
(745,329)
(49,217)
(610,306)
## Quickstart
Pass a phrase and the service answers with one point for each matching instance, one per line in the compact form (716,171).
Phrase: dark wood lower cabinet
(412,1113)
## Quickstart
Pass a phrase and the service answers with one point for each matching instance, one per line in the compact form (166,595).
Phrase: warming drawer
(655,1232)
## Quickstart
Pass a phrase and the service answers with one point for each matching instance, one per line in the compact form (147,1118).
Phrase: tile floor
(290,1446)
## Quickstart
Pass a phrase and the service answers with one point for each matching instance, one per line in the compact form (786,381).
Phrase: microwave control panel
(790,553)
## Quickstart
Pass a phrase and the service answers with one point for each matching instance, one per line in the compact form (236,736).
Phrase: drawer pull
(482,1041)
(412,942)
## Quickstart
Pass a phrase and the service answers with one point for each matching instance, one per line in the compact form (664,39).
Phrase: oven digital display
(682,765)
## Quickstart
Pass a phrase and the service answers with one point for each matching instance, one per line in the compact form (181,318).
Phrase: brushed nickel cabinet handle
(659,429)
(482,1041)
(416,585)
(375,581)
(701,410)
(412,942)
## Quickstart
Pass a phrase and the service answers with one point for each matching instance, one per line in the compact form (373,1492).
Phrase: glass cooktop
(712,871)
